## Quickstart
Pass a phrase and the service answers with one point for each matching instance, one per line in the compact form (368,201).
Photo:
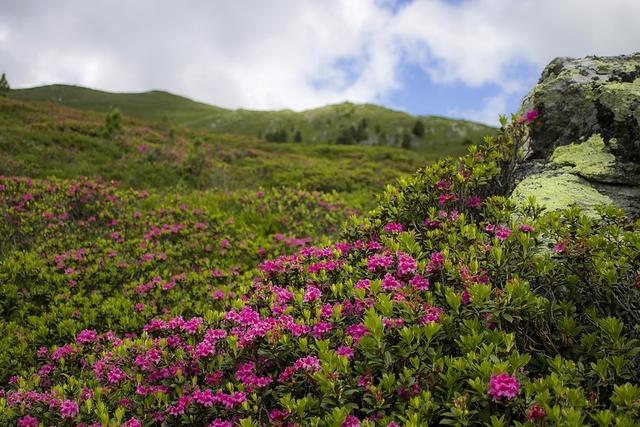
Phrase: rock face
(585,143)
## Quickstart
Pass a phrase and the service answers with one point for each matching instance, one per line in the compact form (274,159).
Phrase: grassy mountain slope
(46,139)
(341,123)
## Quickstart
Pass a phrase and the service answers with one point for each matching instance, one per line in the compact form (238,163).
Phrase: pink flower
(559,247)
(278,415)
(362,284)
(466,297)
(406,264)
(68,409)
(220,423)
(356,331)
(379,261)
(321,328)
(133,422)
(28,421)
(419,283)
(204,349)
(503,385)
(431,315)
(115,375)
(536,412)
(312,293)
(394,227)
(503,232)
(475,202)
(86,336)
(390,283)
(351,421)
(204,398)
(309,363)
(345,351)
(531,115)
(525,228)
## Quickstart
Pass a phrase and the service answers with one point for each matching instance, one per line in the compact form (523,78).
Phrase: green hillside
(49,140)
(344,123)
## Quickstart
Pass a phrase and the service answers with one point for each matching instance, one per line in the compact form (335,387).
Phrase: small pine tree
(4,85)
(418,129)
(298,136)
(113,123)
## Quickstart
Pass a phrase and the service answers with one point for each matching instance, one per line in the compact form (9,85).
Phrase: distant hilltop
(344,123)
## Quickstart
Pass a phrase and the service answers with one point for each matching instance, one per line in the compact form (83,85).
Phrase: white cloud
(285,54)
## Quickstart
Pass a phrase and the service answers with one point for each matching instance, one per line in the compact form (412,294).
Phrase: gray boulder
(584,145)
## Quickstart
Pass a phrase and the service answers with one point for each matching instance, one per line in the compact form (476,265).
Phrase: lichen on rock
(558,190)
(585,144)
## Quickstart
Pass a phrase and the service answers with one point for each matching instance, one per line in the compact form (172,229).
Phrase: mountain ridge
(347,123)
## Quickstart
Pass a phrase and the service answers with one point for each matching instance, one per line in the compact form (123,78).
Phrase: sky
(472,59)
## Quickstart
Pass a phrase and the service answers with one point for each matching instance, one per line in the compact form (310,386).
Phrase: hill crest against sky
(367,124)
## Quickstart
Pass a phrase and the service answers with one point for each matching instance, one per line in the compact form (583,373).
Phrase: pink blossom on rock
(531,115)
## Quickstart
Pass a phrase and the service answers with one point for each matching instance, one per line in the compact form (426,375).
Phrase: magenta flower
(394,227)
(559,247)
(503,232)
(312,293)
(536,412)
(68,409)
(531,115)
(356,331)
(87,336)
(420,283)
(345,351)
(351,421)
(390,283)
(406,264)
(503,385)
(432,314)
(220,423)
(28,421)
(475,202)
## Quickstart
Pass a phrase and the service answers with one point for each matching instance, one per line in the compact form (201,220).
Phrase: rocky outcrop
(584,145)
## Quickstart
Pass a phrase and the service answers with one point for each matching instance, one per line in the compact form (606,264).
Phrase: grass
(49,140)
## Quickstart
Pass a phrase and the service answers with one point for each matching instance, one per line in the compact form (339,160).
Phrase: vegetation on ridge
(344,123)
(48,140)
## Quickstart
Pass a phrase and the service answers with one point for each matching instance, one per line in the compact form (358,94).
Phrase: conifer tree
(4,85)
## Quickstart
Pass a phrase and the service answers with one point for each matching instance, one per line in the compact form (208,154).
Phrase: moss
(590,159)
(558,191)
(623,99)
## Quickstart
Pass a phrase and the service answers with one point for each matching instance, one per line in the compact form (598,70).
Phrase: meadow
(290,295)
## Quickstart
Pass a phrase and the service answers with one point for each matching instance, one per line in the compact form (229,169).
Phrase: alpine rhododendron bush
(447,304)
